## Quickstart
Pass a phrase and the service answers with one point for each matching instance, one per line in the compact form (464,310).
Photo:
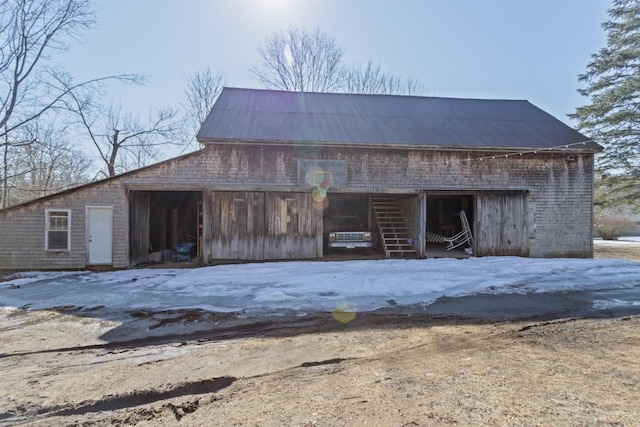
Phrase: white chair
(465,236)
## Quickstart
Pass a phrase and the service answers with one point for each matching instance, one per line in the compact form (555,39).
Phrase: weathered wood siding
(139,215)
(411,209)
(22,229)
(501,224)
(559,213)
(256,226)
(291,224)
(237,225)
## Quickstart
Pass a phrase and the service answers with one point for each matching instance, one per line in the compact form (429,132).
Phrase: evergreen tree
(612,116)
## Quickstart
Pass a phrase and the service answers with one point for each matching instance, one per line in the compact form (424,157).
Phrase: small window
(58,230)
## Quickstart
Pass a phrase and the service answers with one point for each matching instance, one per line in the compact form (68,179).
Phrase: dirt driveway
(377,369)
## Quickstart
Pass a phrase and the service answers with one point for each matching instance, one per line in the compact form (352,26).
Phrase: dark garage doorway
(161,220)
(347,204)
(443,219)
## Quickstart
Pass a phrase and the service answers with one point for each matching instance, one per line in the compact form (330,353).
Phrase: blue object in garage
(184,251)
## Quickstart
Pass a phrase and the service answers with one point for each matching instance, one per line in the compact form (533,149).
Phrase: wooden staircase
(394,234)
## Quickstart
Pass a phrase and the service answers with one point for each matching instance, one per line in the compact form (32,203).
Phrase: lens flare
(320,199)
(344,312)
(319,194)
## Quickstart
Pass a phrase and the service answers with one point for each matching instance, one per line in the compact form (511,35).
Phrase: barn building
(276,165)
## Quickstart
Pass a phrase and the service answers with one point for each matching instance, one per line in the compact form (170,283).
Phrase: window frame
(47,229)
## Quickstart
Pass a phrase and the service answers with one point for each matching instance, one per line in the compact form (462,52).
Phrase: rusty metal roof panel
(255,115)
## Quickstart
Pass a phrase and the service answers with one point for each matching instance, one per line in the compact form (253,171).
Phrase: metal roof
(255,115)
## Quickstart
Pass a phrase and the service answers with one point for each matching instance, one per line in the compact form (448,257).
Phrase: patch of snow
(305,286)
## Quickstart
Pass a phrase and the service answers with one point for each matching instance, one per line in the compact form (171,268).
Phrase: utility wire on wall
(511,154)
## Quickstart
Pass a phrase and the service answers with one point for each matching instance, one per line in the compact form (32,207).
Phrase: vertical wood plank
(291,226)
(237,225)
(139,226)
(502,224)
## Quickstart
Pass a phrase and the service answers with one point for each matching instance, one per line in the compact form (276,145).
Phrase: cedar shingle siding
(255,197)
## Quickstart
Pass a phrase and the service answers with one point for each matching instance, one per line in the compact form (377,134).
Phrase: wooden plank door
(237,225)
(291,226)
(501,225)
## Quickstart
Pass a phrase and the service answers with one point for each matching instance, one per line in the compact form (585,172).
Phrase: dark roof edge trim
(573,147)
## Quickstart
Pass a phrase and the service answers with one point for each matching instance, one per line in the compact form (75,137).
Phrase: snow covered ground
(285,287)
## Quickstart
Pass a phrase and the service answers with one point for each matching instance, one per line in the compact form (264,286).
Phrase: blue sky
(504,49)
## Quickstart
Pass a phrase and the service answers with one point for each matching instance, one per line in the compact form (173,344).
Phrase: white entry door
(99,234)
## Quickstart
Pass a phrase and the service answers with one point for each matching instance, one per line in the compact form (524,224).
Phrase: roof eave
(94,183)
(574,147)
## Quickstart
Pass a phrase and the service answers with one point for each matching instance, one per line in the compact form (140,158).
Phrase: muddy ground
(91,369)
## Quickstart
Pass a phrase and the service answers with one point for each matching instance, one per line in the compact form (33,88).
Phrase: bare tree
(202,90)
(30,32)
(372,79)
(11,167)
(413,86)
(45,162)
(300,60)
(122,140)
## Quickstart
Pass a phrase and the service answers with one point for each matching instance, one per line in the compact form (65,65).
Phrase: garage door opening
(165,224)
(443,221)
(348,227)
